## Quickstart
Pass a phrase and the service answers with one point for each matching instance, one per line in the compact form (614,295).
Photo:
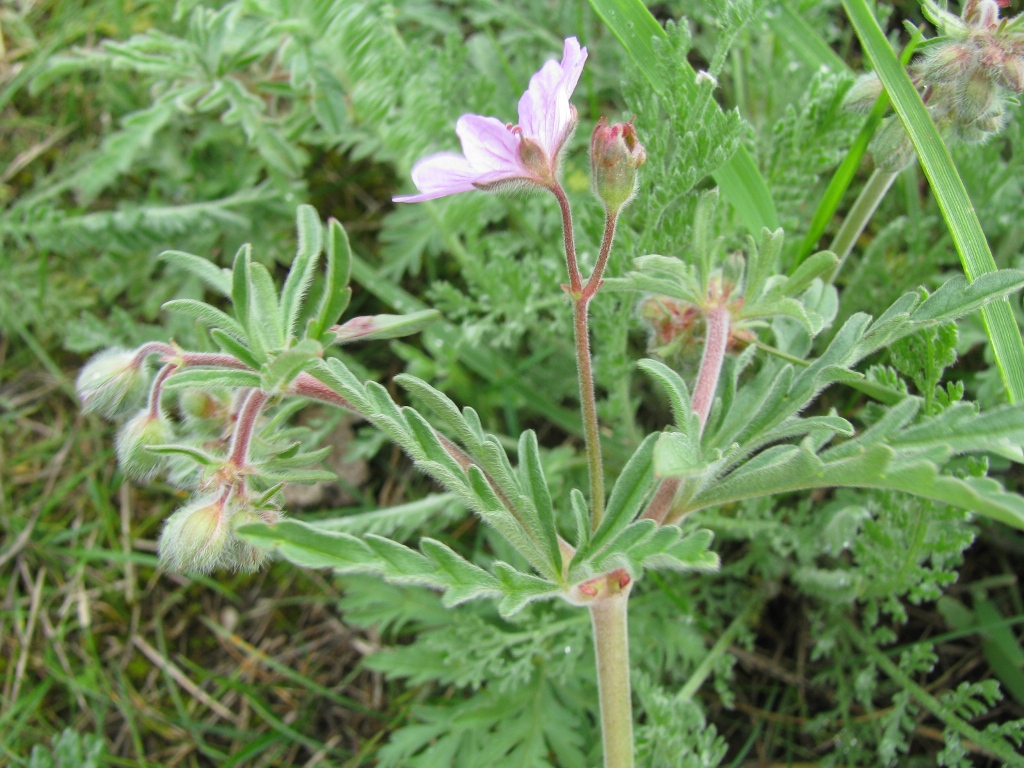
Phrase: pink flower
(496,154)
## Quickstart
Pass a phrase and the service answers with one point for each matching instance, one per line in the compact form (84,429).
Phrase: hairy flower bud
(248,557)
(863,93)
(945,63)
(982,14)
(891,147)
(197,537)
(111,383)
(615,155)
(135,436)
(975,96)
(1011,74)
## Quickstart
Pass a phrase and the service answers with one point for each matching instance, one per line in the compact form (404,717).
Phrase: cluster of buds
(968,78)
(199,537)
(677,327)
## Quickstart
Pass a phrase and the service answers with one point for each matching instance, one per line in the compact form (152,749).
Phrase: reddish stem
(716,340)
(152,348)
(594,283)
(584,365)
(238,453)
(157,389)
(212,360)
(575,280)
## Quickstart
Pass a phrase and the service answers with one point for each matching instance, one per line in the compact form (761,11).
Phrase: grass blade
(844,174)
(949,192)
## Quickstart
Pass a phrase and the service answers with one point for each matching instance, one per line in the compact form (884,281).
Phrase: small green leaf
(211,317)
(677,454)
(213,378)
(215,277)
(264,314)
(310,236)
(378,327)
(335,296)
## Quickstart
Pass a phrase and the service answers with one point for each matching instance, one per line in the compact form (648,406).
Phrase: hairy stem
(609,616)
(594,282)
(715,342)
(156,390)
(152,348)
(238,454)
(581,297)
(213,360)
(992,744)
(859,216)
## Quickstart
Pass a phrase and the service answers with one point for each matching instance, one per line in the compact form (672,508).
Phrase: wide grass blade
(949,192)
(844,174)
(741,183)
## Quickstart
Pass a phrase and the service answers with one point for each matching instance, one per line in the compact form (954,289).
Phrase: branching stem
(581,296)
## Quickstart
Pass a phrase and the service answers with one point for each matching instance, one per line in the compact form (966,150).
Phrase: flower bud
(197,537)
(945,63)
(863,93)
(111,383)
(983,14)
(974,97)
(615,154)
(1011,74)
(248,557)
(892,147)
(135,436)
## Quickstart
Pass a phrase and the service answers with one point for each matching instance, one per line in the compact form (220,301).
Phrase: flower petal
(545,114)
(489,146)
(445,173)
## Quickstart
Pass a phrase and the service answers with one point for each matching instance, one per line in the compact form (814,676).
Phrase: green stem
(611,645)
(859,216)
(996,746)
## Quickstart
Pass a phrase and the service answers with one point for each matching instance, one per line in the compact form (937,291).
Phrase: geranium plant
(736,431)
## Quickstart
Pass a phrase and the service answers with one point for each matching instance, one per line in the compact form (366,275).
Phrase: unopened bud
(944,63)
(983,14)
(135,436)
(615,155)
(111,383)
(891,147)
(196,538)
(1011,74)
(201,405)
(863,93)
(248,557)
(975,97)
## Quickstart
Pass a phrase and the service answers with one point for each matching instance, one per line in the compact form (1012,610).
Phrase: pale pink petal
(489,146)
(545,113)
(445,173)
